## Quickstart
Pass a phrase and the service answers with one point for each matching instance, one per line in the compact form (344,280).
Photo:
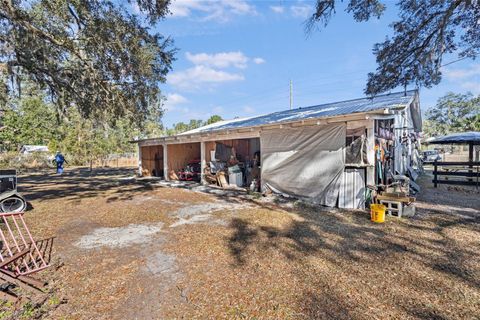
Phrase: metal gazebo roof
(471,137)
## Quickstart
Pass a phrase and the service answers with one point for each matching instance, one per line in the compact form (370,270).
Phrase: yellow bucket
(377,213)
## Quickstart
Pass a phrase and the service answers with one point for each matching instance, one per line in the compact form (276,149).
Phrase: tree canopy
(453,112)
(93,55)
(193,124)
(425,32)
(213,119)
(34,121)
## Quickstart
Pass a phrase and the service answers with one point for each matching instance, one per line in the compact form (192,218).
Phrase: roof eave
(310,121)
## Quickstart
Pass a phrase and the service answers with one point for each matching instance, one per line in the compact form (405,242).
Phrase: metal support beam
(371,153)
(203,163)
(165,162)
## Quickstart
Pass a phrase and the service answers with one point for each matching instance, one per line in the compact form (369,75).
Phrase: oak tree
(453,113)
(426,31)
(94,55)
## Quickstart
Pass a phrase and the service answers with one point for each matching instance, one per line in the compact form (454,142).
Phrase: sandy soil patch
(119,237)
(215,256)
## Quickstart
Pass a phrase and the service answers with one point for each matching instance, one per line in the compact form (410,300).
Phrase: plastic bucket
(377,213)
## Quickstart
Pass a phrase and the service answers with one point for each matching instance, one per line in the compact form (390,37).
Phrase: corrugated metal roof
(458,138)
(380,102)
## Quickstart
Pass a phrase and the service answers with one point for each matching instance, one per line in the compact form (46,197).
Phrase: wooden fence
(456,173)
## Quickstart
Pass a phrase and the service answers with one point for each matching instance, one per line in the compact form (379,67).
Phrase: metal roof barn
(380,102)
(300,152)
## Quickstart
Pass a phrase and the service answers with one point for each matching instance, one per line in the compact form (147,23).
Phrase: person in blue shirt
(59,160)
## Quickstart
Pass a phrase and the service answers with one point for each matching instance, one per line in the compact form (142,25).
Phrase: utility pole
(291,94)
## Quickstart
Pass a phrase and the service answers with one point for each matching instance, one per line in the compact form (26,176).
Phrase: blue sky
(236,58)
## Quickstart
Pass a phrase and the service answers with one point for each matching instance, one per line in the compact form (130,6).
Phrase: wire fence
(42,160)
(117,160)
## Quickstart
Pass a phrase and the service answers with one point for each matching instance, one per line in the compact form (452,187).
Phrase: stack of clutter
(227,168)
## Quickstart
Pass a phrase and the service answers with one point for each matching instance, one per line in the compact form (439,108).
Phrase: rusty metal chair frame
(20,256)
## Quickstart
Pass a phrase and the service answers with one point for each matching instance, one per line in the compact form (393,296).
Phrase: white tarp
(305,162)
(352,189)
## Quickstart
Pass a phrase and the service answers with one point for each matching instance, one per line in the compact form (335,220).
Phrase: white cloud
(239,6)
(460,74)
(277,9)
(173,100)
(208,69)
(183,8)
(472,86)
(466,78)
(195,77)
(219,60)
(248,109)
(219,10)
(218,110)
(136,8)
(178,109)
(301,10)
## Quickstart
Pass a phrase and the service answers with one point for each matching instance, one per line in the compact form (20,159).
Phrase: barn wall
(209,146)
(243,147)
(179,155)
(152,160)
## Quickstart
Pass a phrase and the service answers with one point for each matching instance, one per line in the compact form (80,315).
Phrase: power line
(454,61)
(279,89)
(278,102)
(274,94)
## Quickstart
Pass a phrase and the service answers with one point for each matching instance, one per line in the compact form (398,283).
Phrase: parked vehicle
(431,156)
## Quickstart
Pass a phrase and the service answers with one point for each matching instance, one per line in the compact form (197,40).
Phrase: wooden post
(478,169)
(165,161)
(203,163)
(435,174)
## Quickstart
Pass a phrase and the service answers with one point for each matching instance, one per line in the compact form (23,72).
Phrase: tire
(13,204)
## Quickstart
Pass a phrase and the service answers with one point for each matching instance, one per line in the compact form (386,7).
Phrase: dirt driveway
(130,249)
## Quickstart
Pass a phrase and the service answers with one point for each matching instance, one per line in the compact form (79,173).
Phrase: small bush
(14,160)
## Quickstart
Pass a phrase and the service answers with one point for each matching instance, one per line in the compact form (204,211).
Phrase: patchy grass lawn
(126,249)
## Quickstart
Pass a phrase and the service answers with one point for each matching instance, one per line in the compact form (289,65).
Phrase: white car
(431,156)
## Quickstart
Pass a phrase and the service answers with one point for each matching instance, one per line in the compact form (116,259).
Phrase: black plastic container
(8,180)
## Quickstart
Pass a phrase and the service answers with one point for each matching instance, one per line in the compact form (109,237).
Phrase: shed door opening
(233,162)
(184,161)
(152,161)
